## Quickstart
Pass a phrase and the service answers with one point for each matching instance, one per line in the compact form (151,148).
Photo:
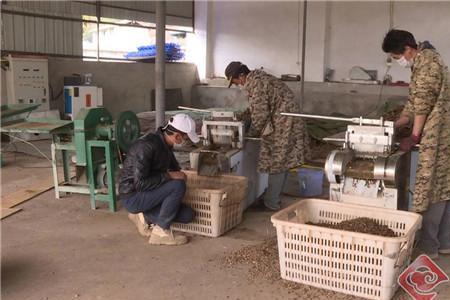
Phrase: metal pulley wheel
(127,130)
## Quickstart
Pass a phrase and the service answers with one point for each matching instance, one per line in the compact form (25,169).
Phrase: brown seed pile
(320,150)
(264,265)
(362,225)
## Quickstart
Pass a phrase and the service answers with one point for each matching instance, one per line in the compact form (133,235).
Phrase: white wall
(357,30)
(265,34)
(339,34)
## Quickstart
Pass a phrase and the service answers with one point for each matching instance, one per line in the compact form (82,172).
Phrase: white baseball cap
(184,123)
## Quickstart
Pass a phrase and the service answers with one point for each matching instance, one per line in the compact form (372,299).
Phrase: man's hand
(402,122)
(407,143)
(403,127)
(177,175)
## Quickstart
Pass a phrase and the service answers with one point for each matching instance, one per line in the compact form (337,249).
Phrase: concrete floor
(61,249)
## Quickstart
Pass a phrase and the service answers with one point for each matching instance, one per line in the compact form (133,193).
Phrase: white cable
(28,143)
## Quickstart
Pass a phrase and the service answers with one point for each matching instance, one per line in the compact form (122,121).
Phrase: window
(112,39)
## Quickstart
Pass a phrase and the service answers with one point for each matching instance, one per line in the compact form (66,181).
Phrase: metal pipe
(160,64)
(194,109)
(330,139)
(98,14)
(320,117)
(359,120)
(302,93)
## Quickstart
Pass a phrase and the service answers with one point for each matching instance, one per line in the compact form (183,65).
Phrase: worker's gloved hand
(403,128)
(407,143)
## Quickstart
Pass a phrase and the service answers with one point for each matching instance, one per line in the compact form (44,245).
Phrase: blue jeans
(161,206)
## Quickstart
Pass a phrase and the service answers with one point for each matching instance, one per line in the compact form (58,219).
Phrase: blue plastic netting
(173,52)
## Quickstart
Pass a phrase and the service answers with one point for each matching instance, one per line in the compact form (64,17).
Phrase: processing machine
(99,144)
(223,142)
(368,170)
(225,150)
(93,142)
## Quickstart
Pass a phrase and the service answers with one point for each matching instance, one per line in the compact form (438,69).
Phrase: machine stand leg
(110,171)
(55,171)
(90,175)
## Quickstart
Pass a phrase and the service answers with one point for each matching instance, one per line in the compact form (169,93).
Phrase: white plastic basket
(218,203)
(353,263)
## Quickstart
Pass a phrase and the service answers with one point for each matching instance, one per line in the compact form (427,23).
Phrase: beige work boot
(444,251)
(166,237)
(141,225)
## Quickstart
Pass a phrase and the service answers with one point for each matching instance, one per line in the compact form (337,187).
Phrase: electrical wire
(22,152)
(31,144)
(25,153)
(380,94)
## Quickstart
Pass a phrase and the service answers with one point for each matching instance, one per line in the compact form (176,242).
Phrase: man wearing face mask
(284,140)
(152,185)
(428,109)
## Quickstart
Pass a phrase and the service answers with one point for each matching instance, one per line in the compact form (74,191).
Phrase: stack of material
(173,52)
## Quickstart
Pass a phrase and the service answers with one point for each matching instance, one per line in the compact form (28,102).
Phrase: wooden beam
(27,193)
(6,212)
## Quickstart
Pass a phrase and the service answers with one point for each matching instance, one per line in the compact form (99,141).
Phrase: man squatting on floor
(151,184)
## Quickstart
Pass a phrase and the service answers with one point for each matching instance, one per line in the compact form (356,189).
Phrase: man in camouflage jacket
(428,107)
(284,140)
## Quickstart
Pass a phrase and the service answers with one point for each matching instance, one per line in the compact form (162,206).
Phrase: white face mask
(183,143)
(403,62)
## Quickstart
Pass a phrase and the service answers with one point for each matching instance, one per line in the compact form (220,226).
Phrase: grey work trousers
(274,189)
(435,232)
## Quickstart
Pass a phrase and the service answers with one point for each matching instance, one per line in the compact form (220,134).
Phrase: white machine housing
(224,129)
(367,171)
(82,96)
(27,81)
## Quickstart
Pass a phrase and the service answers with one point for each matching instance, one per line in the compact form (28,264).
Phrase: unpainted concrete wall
(320,98)
(126,86)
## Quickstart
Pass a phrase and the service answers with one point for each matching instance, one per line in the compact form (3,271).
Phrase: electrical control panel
(27,81)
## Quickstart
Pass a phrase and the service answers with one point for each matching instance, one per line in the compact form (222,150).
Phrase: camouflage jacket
(284,143)
(429,94)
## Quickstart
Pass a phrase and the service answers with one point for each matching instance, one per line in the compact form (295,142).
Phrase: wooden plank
(6,212)
(27,193)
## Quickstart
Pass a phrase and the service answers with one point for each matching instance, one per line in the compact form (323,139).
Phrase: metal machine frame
(368,170)
(97,143)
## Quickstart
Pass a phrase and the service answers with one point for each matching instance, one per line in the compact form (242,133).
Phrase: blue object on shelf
(67,101)
(310,181)
(173,52)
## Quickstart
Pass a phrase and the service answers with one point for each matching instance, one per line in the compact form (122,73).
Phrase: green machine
(93,142)
(99,145)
